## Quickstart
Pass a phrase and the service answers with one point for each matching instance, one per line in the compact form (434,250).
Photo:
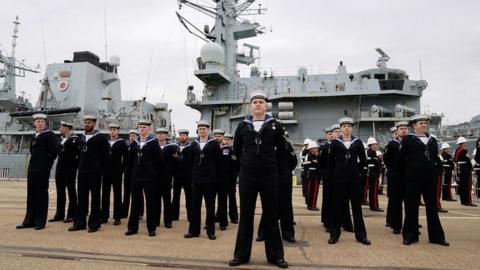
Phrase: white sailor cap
(335,127)
(133,131)
(258,95)
(218,131)
(161,130)
(39,116)
(203,123)
(286,133)
(327,130)
(228,136)
(89,117)
(345,120)
(401,124)
(114,125)
(393,129)
(66,124)
(144,122)
(183,131)
(419,117)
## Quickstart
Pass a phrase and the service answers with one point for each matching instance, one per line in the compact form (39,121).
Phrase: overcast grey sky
(444,35)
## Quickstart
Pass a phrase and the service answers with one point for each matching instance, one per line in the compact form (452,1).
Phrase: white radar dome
(212,52)
(114,61)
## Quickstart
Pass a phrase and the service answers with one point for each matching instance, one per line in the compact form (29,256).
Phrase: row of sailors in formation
(146,165)
(264,166)
(451,171)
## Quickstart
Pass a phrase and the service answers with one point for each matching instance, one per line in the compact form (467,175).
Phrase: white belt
(312,169)
(371,165)
(462,162)
(447,166)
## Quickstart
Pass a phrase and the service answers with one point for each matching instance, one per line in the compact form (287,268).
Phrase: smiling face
(258,106)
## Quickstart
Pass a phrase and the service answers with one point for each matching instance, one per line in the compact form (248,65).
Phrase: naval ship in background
(69,90)
(305,103)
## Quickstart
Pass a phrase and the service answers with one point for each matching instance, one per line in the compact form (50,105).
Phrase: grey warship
(69,90)
(305,103)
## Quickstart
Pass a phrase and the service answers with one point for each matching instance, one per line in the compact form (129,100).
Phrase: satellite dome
(114,61)
(212,52)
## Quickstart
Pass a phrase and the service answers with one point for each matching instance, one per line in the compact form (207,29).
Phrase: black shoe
(117,222)
(313,208)
(260,238)
(294,223)
(442,243)
(175,219)
(127,233)
(397,231)
(151,234)
(364,241)
(348,229)
(408,242)
(420,226)
(471,204)
(168,225)
(75,228)
(332,240)
(103,221)
(281,263)
(205,227)
(22,226)
(223,228)
(290,239)
(37,228)
(55,219)
(441,210)
(387,224)
(189,235)
(376,209)
(68,220)
(235,221)
(212,237)
(235,262)
(92,230)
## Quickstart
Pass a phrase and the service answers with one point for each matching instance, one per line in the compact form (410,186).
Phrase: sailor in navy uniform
(395,182)
(146,165)
(232,182)
(206,170)
(303,154)
(226,165)
(66,172)
(476,168)
(127,179)
(464,170)
(182,176)
(91,169)
(447,172)
(327,203)
(43,151)
(115,168)
(171,153)
(374,171)
(285,204)
(416,160)
(259,143)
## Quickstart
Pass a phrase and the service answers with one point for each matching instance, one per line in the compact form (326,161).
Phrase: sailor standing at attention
(170,152)
(43,151)
(226,165)
(66,172)
(206,152)
(146,164)
(115,167)
(259,142)
(416,160)
(127,179)
(90,172)
(182,176)
(346,160)
(374,167)
(232,182)
(464,169)
(395,182)
(327,204)
(447,172)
